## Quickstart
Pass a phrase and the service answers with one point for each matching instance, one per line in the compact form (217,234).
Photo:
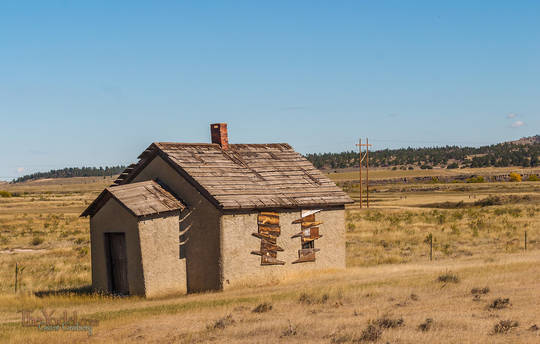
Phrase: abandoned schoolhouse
(191,217)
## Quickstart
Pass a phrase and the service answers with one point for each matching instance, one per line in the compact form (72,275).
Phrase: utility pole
(367,172)
(360,163)
(366,156)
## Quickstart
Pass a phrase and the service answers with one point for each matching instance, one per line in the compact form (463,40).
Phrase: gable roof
(140,199)
(245,176)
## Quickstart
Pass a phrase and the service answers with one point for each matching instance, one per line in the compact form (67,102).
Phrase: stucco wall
(164,273)
(113,217)
(242,267)
(202,251)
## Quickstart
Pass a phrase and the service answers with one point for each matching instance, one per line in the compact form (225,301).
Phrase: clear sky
(93,83)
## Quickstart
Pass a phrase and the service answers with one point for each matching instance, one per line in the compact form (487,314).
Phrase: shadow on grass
(484,202)
(84,290)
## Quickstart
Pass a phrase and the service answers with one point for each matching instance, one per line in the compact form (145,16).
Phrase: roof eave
(291,206)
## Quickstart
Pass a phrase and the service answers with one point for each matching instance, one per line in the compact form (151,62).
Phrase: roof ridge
(217,145)
(185,143)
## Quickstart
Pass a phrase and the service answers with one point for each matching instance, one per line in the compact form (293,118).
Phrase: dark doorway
(115,245)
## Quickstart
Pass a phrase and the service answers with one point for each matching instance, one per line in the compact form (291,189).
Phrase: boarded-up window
(309,232)
(268,231)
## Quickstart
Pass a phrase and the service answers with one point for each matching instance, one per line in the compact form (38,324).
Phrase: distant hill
(73,172)
(531,140)
(524,152)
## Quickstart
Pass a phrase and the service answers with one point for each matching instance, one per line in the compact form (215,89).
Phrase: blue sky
(93,83)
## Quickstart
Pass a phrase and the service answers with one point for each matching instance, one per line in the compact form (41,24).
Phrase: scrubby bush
(221,323)
(5,193)
(81,251)
(448,277)
(371,333)
(289,331)
(426,325)
(504,326)
(533,178)
(500,303)
(308,299)
(263,308)
(475,179)
(387,322)
(515,177)
(477,291)
(37,241)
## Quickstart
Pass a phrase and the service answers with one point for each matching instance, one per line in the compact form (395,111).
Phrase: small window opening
(309,244)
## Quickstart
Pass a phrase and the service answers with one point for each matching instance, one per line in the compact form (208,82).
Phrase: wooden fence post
(429,240)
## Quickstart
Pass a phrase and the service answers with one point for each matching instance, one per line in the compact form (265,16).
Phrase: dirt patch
(23,250)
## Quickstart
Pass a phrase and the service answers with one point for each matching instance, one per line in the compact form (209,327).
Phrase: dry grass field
(481,287)
(386,173)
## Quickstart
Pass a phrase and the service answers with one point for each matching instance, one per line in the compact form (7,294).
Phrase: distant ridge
(524,152)
(531,140)
(73,172)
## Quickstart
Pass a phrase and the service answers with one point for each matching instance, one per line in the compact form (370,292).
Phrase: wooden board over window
(268,231)
(309,232)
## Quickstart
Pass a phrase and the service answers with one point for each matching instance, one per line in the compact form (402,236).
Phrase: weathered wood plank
(270,238)
(268,220)
(306,225)
(308,239)
(304,259)
(274,230)
(266,246)
(309,218)
(267,260)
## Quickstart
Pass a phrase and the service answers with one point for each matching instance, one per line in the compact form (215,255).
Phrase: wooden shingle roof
(246,176)
(140,199)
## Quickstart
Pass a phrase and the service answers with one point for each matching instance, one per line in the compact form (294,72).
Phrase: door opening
(115,245)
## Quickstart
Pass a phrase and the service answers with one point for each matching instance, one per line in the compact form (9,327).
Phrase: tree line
(498,155)
(74,172)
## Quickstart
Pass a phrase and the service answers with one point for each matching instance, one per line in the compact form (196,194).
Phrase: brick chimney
(219,134)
